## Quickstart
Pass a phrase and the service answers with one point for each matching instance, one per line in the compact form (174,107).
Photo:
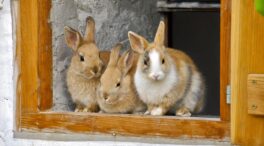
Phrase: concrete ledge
(104,137)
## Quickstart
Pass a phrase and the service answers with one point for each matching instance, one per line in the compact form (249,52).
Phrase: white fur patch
(156,72)
(151,91)
(156,111)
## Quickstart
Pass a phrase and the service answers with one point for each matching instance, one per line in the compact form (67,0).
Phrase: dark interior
(198,34)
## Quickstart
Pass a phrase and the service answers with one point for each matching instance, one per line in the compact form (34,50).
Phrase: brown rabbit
(85,69)
(166,79)
(117,92)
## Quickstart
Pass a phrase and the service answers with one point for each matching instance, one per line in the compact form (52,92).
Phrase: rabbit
(166,79)
(86,67)
(117,92)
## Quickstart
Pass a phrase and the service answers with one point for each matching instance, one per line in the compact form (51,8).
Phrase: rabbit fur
(86,67)
(117,92)
(166,79)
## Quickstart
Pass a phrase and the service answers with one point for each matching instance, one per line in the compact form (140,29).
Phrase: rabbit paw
(85,110)
(157,112)
(138,113)
(183,112)
(147,112)
(101,112)
(78,110)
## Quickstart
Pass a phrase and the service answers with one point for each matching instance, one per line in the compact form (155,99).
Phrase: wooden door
(247,57)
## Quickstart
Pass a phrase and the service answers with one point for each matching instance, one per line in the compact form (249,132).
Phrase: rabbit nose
(105,96)
(95,69)
(155,76)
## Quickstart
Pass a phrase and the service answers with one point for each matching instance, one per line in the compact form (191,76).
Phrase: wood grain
(247,57)
(29,40)
(45,98)
(17,61)
(255,88)
(225,39)
(127,125)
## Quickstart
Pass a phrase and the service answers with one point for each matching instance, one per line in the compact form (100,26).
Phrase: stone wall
(114,18)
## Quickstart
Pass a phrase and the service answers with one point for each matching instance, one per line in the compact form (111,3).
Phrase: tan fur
(186,95)
(83,74)
(122,98)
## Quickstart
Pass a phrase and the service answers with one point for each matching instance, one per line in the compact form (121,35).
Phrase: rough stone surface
(114,18)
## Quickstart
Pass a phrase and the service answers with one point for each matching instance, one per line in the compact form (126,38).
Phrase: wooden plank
(165,6)
(225,38)
(126,125)
(247,41)
(29,55)
(44,56)
(17,61)
(255,87)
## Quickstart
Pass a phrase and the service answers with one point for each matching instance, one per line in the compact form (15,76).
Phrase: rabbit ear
(90,29)
(160,34)
(72,37)
(126,61)
(114,56)
(137,42)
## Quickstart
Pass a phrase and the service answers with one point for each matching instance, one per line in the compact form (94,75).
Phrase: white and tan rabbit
(117,92)
(166,79)
(83,74)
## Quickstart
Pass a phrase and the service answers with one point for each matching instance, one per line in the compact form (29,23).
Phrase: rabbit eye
(146,58)
(118,84)
(81,58)
(163,61)
(145,62)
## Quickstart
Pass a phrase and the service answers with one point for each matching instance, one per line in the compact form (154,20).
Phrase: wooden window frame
(33,59)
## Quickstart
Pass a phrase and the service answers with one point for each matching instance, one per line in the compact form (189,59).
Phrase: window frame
(33,59)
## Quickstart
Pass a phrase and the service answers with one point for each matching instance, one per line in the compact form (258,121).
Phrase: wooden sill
(126,125)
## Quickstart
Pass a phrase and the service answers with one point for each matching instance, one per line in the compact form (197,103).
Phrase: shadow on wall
(114,18)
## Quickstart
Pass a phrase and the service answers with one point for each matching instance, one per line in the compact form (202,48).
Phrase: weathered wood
(17,61)
(165,6)
(44,56)
(29,40)
(255,87)
(225,39)
(35,65)
(128,125)
(247,56)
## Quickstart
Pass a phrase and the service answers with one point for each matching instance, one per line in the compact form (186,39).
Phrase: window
(34,93)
